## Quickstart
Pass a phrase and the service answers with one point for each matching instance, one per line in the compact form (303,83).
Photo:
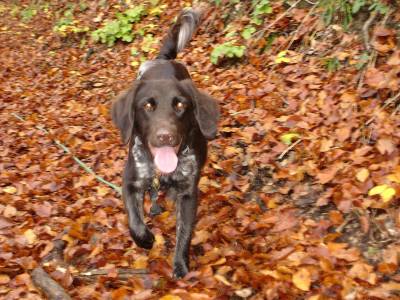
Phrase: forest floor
(300,194)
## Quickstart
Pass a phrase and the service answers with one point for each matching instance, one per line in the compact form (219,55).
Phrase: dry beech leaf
(384,191)
(385,146)
(9,211)
(10,190)
(362,175)
(30,236)
(170,297)
(222,279)
(327,175)
(4,279)
(302,279)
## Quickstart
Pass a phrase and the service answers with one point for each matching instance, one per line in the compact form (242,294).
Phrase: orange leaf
(302,279)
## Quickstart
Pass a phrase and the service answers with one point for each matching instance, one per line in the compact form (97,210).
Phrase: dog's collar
(155,184)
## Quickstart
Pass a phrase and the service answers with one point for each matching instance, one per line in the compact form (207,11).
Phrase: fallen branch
(289,148)
(98,272)
(346,221)
(47,285)
(365,30)
(122,274)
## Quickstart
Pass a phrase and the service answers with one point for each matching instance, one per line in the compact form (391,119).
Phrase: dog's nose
(165,137)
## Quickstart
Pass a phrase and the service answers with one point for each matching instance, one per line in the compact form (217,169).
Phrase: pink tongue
(165,159)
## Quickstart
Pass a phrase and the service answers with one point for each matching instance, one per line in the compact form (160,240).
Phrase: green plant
(3,9)
(248,32)
(362,61)
(121,28)
(14,11)
(332,64)
(260,7)
(228,49)
(345,10)
(67,24)
(148,42)
(28,13)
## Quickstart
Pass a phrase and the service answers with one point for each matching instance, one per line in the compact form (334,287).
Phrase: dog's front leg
(133,195)
(186,208)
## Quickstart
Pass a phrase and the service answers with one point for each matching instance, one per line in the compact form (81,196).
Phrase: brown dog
(167,123)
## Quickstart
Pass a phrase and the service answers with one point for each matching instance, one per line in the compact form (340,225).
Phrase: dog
(166,121)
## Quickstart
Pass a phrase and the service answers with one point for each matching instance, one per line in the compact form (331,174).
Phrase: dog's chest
(143,166)
(145,169)
(187,165)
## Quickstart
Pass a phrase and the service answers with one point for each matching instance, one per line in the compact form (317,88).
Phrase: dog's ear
(122,113)
(206,110)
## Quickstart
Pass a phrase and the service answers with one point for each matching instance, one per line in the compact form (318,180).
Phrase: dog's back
(178,37)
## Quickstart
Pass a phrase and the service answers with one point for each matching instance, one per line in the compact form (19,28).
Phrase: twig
(361,79)
(47,285)
(76,159)
(396,110)
(262,31)
(56,254)
(122,274)
(100,272)
(365,30)
(386,104)
(302,23)
(289,148)
(346,221)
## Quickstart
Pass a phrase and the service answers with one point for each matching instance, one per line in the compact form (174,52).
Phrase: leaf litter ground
(285,208)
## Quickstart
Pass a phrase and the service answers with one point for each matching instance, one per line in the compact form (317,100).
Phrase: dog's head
(163,113)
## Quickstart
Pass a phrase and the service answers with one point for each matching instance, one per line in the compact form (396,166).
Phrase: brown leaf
(327,175)
(43,209)
(302,279)
(343,133)
(385,146)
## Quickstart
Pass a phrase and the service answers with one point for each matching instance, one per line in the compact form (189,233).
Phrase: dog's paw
(155,210)
(180,270)
(143,240)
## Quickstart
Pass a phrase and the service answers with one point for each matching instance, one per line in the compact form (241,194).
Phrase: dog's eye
(180,105)
(148,106)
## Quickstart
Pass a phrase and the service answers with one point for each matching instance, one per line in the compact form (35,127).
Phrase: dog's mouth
(165,158)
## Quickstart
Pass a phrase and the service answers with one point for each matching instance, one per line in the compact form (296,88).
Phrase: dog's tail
(179,34)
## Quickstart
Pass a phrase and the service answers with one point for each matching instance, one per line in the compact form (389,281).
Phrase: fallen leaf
(386,192)
(288,138)
(222,279)
(302,279)
(364,272)
(362,175)
(244,293)
(327,175)
(170,297)
(9,211)
(4,279)
(9,190)
(385,146)
(30,236)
